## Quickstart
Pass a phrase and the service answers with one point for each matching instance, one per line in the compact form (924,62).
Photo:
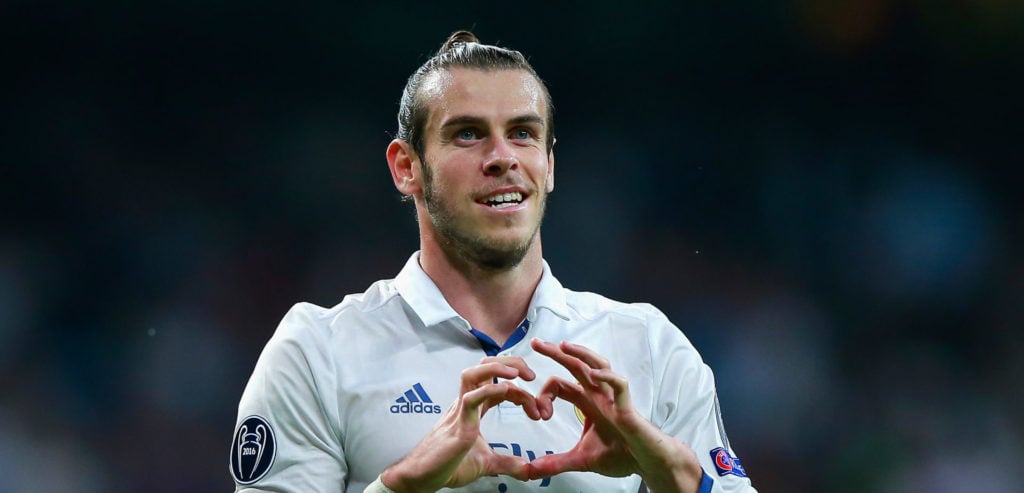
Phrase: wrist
(398,480)
(377,486)
(682,473)
(395,481)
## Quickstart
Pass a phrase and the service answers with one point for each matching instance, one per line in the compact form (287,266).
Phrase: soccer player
(474,369)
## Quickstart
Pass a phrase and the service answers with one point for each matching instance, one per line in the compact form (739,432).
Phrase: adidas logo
(415,401)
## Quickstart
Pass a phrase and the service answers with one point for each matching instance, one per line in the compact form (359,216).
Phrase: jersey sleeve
(686,407)
(286,439)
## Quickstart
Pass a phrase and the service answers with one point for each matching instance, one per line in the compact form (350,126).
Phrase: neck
(493,301)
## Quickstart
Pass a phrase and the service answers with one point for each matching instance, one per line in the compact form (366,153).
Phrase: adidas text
(415,408)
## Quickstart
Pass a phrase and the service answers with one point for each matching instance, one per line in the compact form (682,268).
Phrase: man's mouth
(503,200)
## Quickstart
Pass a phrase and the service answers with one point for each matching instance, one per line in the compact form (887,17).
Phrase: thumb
(550,465)
(509,465)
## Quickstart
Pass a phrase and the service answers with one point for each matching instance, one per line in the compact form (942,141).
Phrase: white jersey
(341,393)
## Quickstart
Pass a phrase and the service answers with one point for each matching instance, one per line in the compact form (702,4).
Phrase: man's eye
(467,134)
(521,134)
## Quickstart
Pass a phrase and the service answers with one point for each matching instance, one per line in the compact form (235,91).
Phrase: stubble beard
(461,244)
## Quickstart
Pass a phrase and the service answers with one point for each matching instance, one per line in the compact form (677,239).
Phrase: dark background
(823,195)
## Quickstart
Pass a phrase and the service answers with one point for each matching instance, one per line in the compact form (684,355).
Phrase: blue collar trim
(423,296)
(492,348)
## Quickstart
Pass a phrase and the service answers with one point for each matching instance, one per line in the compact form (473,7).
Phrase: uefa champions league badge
(252,450)
(726,463)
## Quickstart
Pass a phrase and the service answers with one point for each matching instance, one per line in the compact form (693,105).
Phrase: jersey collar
(549,295)
(423,296)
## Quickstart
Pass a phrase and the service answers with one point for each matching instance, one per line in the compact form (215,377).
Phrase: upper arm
(285,439)
(686,406)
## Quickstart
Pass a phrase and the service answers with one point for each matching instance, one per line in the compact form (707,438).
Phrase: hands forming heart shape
(616,441)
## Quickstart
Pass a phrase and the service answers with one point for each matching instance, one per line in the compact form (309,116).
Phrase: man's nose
(500,158)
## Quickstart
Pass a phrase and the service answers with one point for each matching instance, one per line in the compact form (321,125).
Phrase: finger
(618,384)
(576,366)
(516,396)
(545,401)
(589,357)
(485,373)
(517,362)
(509,465)
(558,388)
(550,465)
(473,401)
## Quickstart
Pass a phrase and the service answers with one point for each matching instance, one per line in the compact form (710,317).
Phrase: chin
(499,259)
(488,245)
(490,254)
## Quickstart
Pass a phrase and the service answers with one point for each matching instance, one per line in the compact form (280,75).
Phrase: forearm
(682,477)
(398,479)
(666,464)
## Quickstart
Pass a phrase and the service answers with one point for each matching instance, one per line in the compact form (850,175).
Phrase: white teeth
(503,200)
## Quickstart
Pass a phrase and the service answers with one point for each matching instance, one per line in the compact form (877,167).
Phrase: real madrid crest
(252,450)
(580,416)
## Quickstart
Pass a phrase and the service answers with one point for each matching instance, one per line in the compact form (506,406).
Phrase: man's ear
(403,162)
(551,166)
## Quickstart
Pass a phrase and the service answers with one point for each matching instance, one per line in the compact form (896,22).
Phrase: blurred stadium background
(821,194)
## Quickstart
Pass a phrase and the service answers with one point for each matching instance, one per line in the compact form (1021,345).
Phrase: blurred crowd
(819,194)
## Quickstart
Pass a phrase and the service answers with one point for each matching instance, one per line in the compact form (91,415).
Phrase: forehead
(487,94)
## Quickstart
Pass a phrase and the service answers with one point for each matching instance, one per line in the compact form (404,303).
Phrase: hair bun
(458,38)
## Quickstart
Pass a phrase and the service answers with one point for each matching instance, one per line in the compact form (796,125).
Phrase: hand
(454,453)
(617,441)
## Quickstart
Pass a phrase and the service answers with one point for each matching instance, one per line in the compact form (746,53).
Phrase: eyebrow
(476,120)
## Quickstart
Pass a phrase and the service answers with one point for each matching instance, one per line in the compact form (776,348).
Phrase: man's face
(486,171)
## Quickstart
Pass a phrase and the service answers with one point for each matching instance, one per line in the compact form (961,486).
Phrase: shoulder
(591,306)
(665,340)
(311,323)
